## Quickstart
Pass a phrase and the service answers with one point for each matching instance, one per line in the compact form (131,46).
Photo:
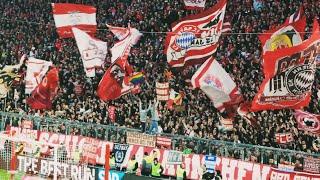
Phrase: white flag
(36,70)
(130,40)
(213,80)
(93,51)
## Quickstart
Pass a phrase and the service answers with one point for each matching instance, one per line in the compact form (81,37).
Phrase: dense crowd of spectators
(27,26)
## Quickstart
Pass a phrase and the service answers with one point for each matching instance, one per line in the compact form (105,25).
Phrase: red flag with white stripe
(119,32)
(164,141)
(80,16)
(194,38)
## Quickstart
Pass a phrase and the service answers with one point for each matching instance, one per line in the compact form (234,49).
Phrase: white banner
(93,51)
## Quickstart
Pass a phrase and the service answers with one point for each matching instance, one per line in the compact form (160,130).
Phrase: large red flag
(43,95)
(194,38)
(115,81)
(80,16)
(307,121)
(288,35)
(289,75)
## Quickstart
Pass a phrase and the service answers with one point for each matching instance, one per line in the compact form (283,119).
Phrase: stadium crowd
(27,26)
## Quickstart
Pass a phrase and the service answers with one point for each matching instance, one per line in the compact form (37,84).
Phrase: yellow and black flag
(6,79)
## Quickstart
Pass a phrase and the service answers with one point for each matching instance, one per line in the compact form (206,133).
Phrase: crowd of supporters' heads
(27,26)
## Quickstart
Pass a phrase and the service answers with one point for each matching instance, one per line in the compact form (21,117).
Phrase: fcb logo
(184,40)
(213,82)
(299,79)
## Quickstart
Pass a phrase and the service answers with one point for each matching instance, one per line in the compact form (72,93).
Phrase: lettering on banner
(141,139)
(46,168)
(72,140)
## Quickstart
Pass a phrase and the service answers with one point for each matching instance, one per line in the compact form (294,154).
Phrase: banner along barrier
(231,169)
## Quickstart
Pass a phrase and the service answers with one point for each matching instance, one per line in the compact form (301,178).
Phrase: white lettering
(243,167)
(228,168)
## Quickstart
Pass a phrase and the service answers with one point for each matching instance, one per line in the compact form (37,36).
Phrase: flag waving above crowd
(45,92)
(115,81)
(308,122)
(93,51)
(288,35)
(216,83)
(36,69)
(295,16)
(289,75)
(194,38)
(80,16)
(127,36)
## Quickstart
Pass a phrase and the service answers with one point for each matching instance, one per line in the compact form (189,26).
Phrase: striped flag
(295,16)
(164,141)
(119,32)
(226,26)
(80,16)
(136,78)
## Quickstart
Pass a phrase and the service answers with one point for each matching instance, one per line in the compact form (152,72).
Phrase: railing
(118,135)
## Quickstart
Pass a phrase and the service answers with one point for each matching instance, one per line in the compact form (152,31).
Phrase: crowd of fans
(27,26)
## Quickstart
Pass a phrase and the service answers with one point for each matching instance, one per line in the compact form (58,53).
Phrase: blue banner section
(210,162)
(113,175)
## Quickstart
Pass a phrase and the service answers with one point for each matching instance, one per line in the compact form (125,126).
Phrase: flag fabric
(226,27)
(93,51)
(164,141)
(289,75)
(17,66)
(288,35)
(295,16)
(191,4)
(44,94)
(162,90)
(174,98)
(307,121)
(244,111)
(226,124)
(215,82)
(194,38)
(130,40)
(8,75)
(80,16)
(115,81)
(36,69)
(119,32)
(136,78)
(6,80)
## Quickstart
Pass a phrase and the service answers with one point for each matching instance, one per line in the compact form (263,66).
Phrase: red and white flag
(80,16)
(295,16)
(226,27)
(93,51)
(119,47)
(162,90)
(115,81)
(174,98)
(288,35)
(164,141)
(194,38)
(289,73)
(244,111)
(194,4)
(307,121)
(119,32)
(36,70)
(215,82)
(44,94)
